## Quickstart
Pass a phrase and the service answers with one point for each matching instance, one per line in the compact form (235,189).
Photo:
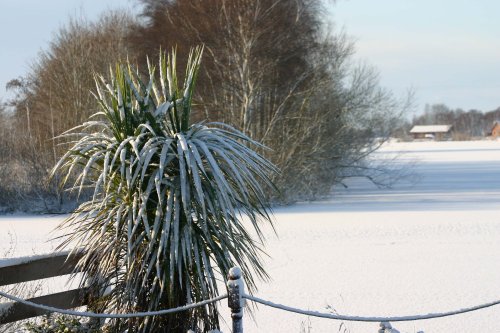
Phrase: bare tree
(272,69)
(56,95)
(60,81)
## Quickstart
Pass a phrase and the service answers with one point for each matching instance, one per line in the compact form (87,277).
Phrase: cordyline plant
(165,220)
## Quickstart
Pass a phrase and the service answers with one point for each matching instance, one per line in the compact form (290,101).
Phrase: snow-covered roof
(430,129)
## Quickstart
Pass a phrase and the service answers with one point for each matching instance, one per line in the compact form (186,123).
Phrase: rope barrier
(253,299)
(113,315)
(256,300)
(367,319)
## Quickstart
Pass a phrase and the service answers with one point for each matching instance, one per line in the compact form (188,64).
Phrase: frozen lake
(427,245)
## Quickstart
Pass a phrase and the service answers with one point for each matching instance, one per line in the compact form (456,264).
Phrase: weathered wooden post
(96,291)
(236,289)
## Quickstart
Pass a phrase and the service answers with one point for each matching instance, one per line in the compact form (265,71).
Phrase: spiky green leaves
(165,220)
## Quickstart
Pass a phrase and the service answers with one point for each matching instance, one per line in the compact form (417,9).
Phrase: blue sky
(27,26)
(447,51)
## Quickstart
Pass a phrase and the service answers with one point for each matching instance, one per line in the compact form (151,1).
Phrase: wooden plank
(40,267)
(63,300)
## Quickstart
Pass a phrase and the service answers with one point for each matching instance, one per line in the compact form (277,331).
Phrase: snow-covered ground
(431,244)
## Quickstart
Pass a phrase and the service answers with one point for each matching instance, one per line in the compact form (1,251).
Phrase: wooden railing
(14,271)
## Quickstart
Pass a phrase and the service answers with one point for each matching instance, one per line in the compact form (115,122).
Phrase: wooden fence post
(96,292)
(236,289)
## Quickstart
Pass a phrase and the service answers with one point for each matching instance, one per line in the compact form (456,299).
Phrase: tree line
(466,125)
(274,69)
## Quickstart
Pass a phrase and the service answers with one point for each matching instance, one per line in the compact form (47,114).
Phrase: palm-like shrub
(165,220)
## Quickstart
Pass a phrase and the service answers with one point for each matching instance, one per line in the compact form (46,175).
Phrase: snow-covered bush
(58,324)
(164,222)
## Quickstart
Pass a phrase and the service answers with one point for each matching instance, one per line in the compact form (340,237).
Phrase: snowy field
(431,244)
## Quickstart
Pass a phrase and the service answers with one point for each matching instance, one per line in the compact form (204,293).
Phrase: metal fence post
(236,288)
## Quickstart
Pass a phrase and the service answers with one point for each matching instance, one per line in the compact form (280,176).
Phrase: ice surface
(429,245)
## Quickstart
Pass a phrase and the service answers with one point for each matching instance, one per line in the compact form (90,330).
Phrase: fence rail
(15,271)
(37,267)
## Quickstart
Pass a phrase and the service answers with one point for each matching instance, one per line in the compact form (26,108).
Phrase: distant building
(431,132)
(495,130)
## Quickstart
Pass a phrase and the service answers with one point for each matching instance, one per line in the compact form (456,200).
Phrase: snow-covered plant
(165,220)
(58,324)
